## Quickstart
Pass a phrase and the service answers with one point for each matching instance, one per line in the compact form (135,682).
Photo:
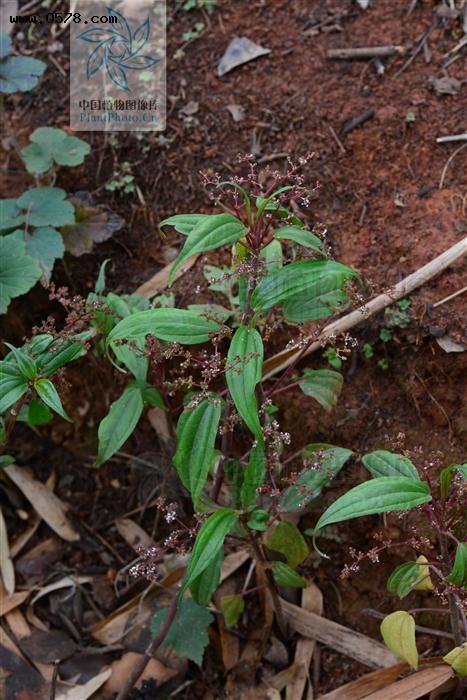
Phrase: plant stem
(152,648)
(452,599)
(271,586)
(225,449)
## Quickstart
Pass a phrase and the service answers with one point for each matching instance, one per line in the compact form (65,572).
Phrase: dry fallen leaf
(7,569)
(45,503)
(133,534)
(237,112)
(312,600)
(444,85)
(65,582)
(414,686)
(158,419)
(232,562)
(450,345)
(159,281)
(22,539)
(240,50)
(122,668)
(367,684)
(343,639)
(48,646)
(83,692)
(94,224)
(10,602)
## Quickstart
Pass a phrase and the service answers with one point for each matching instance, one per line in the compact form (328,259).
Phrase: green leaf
(49,395)
(99,287)
(272,256)
(49,145)
(398,632)
(381,495)
(232,607)
(173,325)
(323,385)
(211,232)
(10,216)
(26,364)
(326,302)
(446,476)
(188,635)
(301,236)
(312,481)
(384,463)
(301,282)
(285,576)
(18,271)
(151,396)
(45,245)
(254,476)
(457,659)
(19,74)
(35,413)
(216,312)
(458,574)
(287,539)
(6,45)
(403,578)
(9,396)
(5,460)
(184,223)
(196,436)
(203,588)
(46,206)
(245,362)
(60,354)
(209,541)
(258,520)
(234,472)
(119,423)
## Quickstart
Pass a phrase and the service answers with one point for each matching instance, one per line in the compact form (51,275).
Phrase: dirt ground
(390,198)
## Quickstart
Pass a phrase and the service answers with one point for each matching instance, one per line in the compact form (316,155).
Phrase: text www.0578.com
(63,18)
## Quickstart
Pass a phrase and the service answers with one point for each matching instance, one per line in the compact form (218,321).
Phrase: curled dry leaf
(22,539)
(237,112)
(45,503)
(66,582)
(94,224)
(240,50)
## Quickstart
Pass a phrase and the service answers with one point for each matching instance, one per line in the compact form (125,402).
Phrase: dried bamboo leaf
(51,509)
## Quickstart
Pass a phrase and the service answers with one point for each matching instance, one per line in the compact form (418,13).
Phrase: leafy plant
(17,73)
(51,147)
(206,372)
(122,180)
(396,485)
(38,226)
